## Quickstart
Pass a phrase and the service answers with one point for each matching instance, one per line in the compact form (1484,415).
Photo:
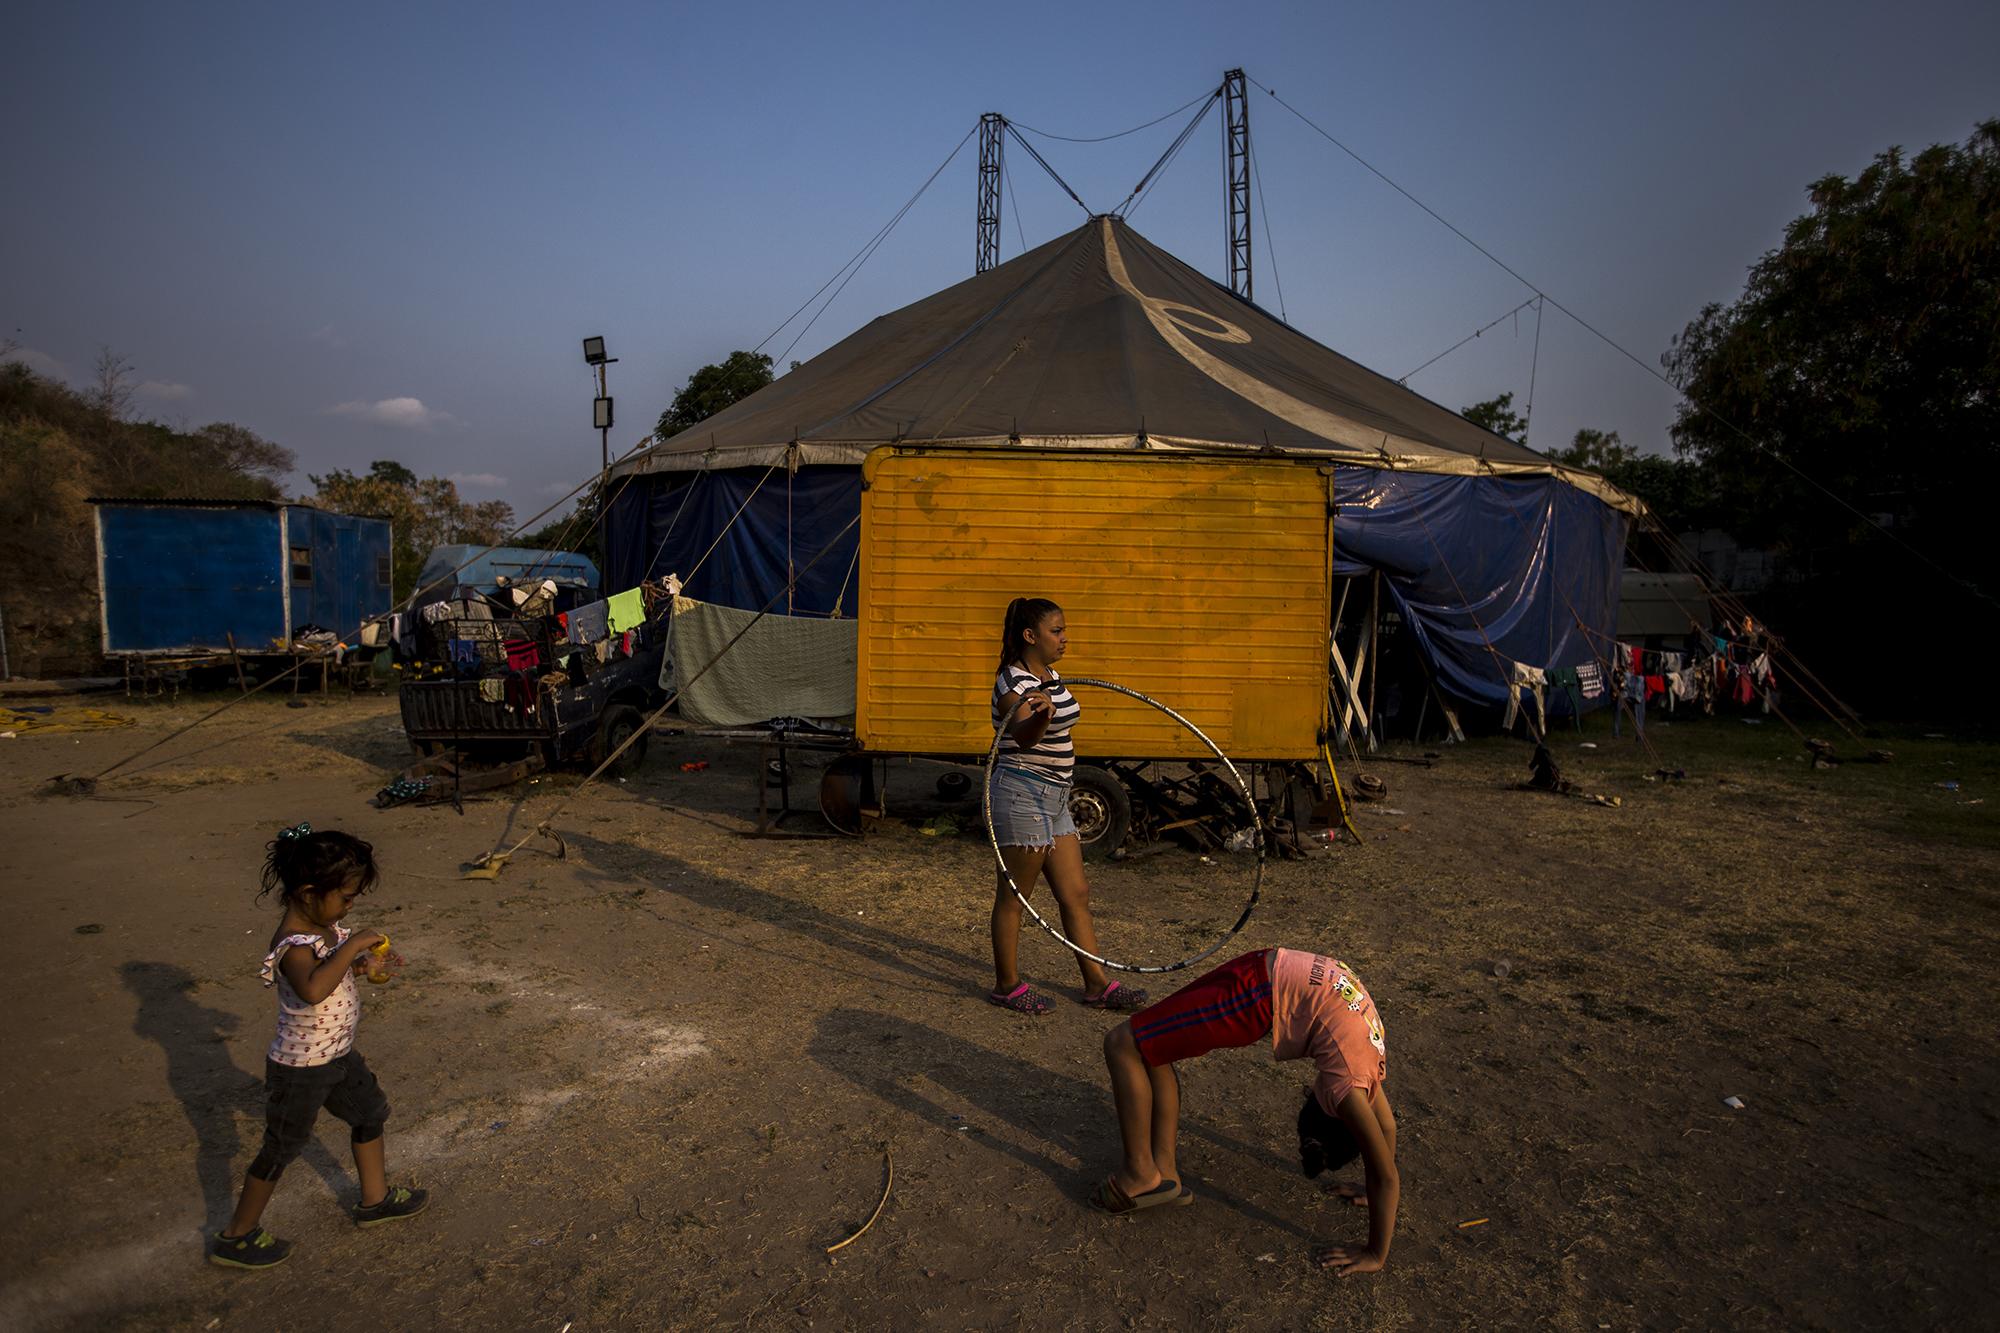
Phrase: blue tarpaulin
(669,523)
(1483,568)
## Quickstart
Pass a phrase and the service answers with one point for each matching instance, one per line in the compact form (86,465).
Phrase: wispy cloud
(41,363)
(395,413)
(166,391)
(486,479)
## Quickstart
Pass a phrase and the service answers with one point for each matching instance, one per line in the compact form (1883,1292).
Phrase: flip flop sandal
(1118,998)
(1111,1199)
(1023,999)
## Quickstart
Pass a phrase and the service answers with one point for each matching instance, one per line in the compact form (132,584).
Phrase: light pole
(600,407)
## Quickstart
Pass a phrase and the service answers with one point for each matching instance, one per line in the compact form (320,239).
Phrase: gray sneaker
(400,1201)
(256,1248)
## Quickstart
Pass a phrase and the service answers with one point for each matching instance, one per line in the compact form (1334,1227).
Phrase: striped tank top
(1054,755)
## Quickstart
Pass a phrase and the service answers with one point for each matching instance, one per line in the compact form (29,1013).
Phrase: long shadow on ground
(891,1058)
(613,863)
(212,1091)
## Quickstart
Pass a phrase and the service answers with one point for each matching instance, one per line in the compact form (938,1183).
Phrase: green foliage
(424,512)
(58,448)
(713,388)
(1865,352)
(1498,415)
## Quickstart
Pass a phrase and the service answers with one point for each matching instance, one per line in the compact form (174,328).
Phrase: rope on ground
(889,1164)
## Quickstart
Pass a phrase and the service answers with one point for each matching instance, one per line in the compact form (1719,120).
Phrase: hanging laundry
(1669,663)
(519,687)
(1760,668)
(1655,685)
(601,650)
(1743,690)
(1567,680)
(1681,684)
(627,610)
(464,654)
(491,691)
(1590,677)
(1528,681)
(1638,661)
(437,611)
(523,654)
(589,624)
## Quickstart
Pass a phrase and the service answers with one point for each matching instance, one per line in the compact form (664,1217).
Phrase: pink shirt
(1321,1012)
(312,1034)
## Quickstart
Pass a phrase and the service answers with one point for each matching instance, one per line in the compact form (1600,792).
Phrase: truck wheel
(616,726)
(1102,809)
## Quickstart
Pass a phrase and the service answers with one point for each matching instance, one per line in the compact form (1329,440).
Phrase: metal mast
(992,134)
(1236,146)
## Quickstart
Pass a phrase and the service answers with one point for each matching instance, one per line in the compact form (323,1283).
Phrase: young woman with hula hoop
(1034,712)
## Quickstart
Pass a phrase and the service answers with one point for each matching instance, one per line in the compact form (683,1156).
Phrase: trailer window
(383,570)
(302,564)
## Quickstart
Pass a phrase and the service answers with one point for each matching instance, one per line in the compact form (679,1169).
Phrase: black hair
(299,859)
(1325,1142)
(1023,614)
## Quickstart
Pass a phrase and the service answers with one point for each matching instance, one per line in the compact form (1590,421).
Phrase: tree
(1595,450)
(425,512)
(713,388)
(1864,353)
(111,385)
(1498,416)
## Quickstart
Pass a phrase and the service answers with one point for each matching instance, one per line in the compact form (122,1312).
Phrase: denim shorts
(1030,811)
(294,1095)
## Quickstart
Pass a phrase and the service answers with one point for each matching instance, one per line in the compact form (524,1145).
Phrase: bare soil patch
(650,1083)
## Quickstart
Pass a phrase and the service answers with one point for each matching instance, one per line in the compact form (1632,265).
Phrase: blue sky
(381,231)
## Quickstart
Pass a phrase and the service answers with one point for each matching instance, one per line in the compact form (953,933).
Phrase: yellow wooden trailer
(1201,580)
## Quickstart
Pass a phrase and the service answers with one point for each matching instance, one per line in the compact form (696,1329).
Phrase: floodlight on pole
(600,406)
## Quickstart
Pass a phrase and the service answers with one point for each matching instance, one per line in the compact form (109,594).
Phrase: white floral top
(312,1034)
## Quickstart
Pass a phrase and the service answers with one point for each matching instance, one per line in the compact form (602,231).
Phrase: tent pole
(1374,653)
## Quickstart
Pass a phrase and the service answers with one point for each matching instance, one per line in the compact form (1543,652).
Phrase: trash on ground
(1733,1103)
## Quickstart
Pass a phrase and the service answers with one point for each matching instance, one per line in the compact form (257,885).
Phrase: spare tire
(1102,809)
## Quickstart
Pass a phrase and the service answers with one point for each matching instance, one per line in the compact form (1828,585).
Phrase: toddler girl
(312,1062)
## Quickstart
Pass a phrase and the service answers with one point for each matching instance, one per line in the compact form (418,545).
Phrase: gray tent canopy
(1097,339)
(1100,340)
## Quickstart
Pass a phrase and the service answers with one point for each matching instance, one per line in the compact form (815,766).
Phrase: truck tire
(618,723)
(1102,809)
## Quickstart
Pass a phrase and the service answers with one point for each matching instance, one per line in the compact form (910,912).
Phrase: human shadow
(877,1052)
(947,970)
(212,1091)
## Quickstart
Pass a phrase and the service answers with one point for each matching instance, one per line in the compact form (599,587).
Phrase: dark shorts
(1230,1006)
(294,1096)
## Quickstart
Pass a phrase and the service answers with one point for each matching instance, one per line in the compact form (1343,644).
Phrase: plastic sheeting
(1483,568)
(791,519)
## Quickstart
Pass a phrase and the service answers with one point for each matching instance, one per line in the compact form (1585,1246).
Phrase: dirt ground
(651,1083)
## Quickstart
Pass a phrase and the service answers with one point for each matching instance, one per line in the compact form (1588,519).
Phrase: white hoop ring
(1256,826)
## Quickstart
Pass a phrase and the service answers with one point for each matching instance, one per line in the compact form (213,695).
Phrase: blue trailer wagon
(188,582)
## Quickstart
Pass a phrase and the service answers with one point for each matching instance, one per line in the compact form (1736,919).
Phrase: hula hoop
(1256,835)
